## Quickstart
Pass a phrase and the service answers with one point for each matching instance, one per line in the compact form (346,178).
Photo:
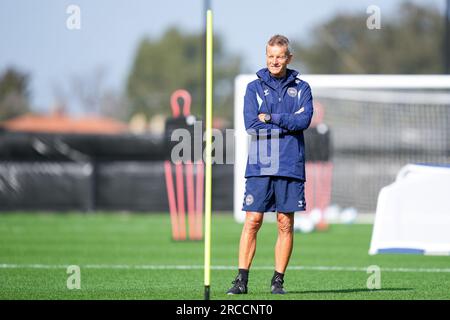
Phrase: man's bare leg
(283,247)
(283,250)
(247,245)
(247,248)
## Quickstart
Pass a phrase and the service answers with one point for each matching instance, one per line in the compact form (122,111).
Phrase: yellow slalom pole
(208,150)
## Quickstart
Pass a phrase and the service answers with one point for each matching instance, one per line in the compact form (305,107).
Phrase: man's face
(277,60)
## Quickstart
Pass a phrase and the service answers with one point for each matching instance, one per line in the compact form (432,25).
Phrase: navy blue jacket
(289,101)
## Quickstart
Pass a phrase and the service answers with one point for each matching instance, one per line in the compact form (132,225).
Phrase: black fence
(92,172)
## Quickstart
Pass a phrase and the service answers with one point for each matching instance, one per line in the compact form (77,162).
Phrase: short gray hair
(280,40)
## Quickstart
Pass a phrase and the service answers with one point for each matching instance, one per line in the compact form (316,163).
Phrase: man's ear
(290,58)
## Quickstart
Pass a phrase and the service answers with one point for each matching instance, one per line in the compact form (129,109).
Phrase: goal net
(377,125)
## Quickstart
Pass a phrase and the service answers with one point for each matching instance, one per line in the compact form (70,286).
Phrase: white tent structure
(413,213)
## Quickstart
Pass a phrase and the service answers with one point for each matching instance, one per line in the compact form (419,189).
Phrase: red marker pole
(190,200)
(199,199)
(180,198)
(172,203)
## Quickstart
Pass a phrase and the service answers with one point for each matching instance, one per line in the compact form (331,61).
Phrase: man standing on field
(278,106)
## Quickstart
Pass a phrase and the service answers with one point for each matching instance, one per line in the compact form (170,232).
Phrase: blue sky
(35,39)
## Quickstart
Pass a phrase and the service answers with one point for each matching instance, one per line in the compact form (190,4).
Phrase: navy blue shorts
(271,193)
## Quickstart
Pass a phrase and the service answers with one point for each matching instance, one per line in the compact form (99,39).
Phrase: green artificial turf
(132,256)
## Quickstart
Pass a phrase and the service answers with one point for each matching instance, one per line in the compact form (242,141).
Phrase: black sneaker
(239,286)
(277,286)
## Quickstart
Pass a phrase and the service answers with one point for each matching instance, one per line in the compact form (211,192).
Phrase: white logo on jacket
(292,92)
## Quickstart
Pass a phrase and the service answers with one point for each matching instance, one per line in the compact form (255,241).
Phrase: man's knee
(253,221)
(285,222)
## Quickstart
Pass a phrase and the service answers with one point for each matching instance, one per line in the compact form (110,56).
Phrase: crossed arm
(284,122)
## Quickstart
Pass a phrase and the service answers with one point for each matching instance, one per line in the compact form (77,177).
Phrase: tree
(176,61)
(408,42)
(14,94)
(87,93)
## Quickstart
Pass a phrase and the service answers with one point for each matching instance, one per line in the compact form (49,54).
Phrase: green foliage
(408,42)
(176,61)
(13,94)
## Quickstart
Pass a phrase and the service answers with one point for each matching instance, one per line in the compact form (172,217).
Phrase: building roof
(61,123)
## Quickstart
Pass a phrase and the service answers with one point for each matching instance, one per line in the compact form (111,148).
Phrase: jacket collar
(264,75)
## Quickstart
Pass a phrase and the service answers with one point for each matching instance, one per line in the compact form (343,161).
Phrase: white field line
(200,267)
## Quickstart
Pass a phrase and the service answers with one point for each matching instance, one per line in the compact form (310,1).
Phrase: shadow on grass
(353,290)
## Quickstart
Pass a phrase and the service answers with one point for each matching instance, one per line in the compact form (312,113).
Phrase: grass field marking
(200,267)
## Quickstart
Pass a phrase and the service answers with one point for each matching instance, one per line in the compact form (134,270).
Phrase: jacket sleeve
(251,110)
(301,119)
